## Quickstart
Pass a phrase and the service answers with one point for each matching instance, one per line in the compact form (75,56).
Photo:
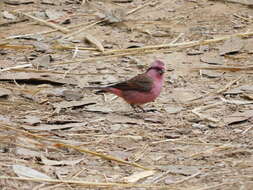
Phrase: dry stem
(60,144)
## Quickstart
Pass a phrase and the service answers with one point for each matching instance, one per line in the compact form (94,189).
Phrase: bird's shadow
(136,115)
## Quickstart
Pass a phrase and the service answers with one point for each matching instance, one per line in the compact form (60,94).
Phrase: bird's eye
(161,71)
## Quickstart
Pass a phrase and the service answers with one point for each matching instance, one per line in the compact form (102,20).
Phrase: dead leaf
(8,15)
(47,127)
(42,61)
(212,60)
(225,68)
(138,176)
(120,154)
(53,14)
(124,119)
(211,74)
(247,96)
(5,63)
(232,45)
(27,152)
(97,108)
(113,16)
(243,2)
(91,39)
(116,127)
(23,171)
(122,1)
(18,2)
(31,120)
(234,91)
(154,119)
(42,47)
(28,142)
(237,102)
(48,162)
(71,95)
(247,88)
(238,117)
(36,78)
(4,93)
(48,2)
(74,104)
(181,169)
(183,94)
(243,164)
(194,52)
(53,91)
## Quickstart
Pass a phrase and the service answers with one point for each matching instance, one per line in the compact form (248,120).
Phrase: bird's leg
(141,108)
(134,108)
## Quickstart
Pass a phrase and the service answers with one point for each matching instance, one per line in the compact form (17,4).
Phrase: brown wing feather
(142,83)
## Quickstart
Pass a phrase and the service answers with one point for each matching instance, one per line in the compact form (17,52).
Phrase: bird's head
(157,68)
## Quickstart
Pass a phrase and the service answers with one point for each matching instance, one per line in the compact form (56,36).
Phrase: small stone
(199,126)
(173,109)
(8,15)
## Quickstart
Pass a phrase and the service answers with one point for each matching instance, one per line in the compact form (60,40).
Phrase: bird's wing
(142,83)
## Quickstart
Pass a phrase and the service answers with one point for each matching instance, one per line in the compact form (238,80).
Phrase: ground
(56,135)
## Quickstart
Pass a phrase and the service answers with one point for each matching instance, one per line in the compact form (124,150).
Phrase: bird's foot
(137,108)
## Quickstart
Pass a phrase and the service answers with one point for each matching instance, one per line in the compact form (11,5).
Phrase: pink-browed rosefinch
(140,89)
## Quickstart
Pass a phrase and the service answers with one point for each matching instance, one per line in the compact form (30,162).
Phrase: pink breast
(138,97)
(135,97)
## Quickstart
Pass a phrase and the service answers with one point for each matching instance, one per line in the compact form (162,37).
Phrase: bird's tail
(94,87)
(100,89)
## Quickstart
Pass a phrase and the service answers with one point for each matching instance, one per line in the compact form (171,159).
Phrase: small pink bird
(140,89)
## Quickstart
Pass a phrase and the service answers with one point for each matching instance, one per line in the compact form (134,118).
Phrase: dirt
(56,135)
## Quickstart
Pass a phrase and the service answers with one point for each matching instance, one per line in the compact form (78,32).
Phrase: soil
(54,134)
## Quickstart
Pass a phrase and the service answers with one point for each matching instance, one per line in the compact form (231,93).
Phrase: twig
(215,186)
(237,102)
(55,26)
(16,67)
(177,38)
(160,177)
(60,144)
(187,178)
(110,136)
(181,141)
(64,47)
(11,46)
(164,176)
(52,71)
(242,2)
(138,8)
(228,85)
(218,91)
(152,49)
(224,68)
(83,183)
(45,32)
(203,108)
(216,149)
(246,130)
(81,30)
(178,45)
(241,17)
(106,157)
(75,52)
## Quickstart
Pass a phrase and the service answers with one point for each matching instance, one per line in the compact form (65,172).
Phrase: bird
(139,90)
